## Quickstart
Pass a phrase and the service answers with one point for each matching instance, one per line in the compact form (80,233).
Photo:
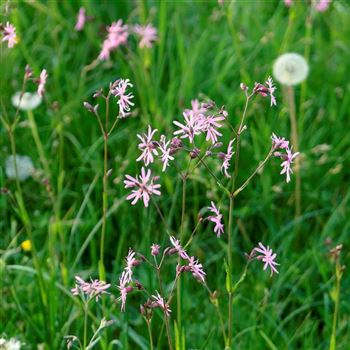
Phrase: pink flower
(118,89)
(130,263)
(10,35)
(198,109)
(124,289)
(227,158)
(144,187)
(267,257)
(160,302)
(216,219)
(193,125)
(178,248)
(147,146)
(288,3)
(288,161)
(210,126)
(92,290)
(81,18)
(155,249)
(279,142)
(42,82)
(117,35)
(197,269)
(322,5)
(264,91)
(165,151)
(147,33)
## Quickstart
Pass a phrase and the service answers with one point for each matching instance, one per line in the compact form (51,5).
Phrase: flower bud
(194,153)
(155,249)
(243,87)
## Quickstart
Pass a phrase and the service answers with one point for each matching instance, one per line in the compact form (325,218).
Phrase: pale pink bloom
(198,109)
(227,158)
(210,126)
(160,302)
(193,125)
(124,289)
(155,249)
(177,246)
(117,35)
(147,33)
(81,18)
(288,3)
(216,219)
(144,187)
(165,150)
(130,263)
(10,35)
(94,289)
(267,256)
(288,161)
(322,5)
(279,142)
(147,146)
(42,82)
(197,269)
(264,91)
(119,88)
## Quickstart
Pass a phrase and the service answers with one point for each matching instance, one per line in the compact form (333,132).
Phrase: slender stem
(85,324)
(150,334)
(261,165)
(295,143)
(336,307)
(193,233)
(166,320)
(161,216)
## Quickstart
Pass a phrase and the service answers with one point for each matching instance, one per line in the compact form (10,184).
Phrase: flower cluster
(147,34)
(288,157)
(93,289)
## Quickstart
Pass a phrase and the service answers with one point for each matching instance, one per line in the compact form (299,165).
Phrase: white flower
(12,344)
(25,167)
(290,69)
(28,102)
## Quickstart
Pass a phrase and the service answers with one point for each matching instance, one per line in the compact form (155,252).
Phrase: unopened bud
(155,249)
(194,153)
(208,153)
(89,107)
(217,145)
(28,72)
(221,155)
(98,93)
(109,172)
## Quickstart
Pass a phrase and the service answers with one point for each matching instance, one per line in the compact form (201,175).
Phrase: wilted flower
(155,249)
(216,219)
(93,289)
(27,102)
(227,158)
(42,82)
(267,256)
(160,302)
(147,33)
(290,69)
(145,187)
(117,35)
(124,100)
(25,167)
(147,146)
(9,33)
(165,149)
(81,18)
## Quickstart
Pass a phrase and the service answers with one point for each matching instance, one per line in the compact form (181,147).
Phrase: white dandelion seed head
(28,102)
(25,167)
(11,344)
(290,69)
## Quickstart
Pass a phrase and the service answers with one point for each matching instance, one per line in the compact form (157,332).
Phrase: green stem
(295,143)
(85,324)
(336,307)
(150,334)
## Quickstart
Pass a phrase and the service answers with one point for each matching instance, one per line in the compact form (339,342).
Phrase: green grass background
(203,49)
